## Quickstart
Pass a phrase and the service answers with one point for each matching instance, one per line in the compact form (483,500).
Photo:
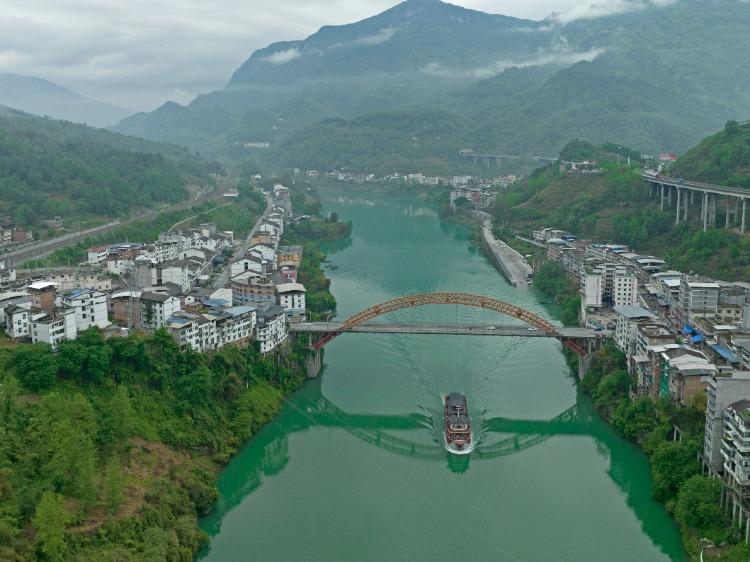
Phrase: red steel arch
(466,299)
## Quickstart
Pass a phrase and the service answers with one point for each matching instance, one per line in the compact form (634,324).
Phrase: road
(41,250)
(223,279)
(511,263)
(450,329)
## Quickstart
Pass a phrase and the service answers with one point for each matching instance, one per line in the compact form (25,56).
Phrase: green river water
(354,468)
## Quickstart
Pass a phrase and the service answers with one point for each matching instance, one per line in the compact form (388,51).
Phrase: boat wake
(463,451)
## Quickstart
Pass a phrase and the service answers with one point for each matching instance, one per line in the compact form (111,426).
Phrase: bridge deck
(450,329)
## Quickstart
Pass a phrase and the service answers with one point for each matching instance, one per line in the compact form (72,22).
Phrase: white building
(292,298)
(698,299)
(735,445)
(626,326)
(722,391)
(253,264)
(271,330)
(90,308)
(235,325)
(18,321)
(156,309)
(98,255)
(54,326)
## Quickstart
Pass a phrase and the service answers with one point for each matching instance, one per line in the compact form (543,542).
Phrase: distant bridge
(535,325)
(487,159)
(685,195)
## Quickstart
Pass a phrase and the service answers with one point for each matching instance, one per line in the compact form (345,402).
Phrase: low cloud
(367,41)
(610,8)
(381,37)
(283,57)
(561,57)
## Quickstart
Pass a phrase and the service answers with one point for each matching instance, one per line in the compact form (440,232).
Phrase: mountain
(57,168)
(659,77)
(409,55)
(40,97)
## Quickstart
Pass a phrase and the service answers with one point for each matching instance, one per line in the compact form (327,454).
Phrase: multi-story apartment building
(292,297)
(698,298)
(722,390)
(155,309)
(271,330)
(90,308)
(54,326)
(626,325)
(249,289)
(607,284)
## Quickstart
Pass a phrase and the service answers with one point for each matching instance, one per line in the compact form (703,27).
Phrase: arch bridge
(571,338)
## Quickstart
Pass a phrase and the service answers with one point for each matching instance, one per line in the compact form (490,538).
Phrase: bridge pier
(313,363)
(744,205)
(584,364)
(677,216)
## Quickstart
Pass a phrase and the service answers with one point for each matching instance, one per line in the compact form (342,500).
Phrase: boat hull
(457,422)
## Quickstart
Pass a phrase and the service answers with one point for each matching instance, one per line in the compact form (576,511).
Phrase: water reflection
(269,453)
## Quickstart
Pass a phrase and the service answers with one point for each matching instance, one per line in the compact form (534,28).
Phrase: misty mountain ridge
(659,77)
(40,97)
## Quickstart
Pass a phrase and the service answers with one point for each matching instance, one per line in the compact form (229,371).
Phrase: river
(354,467)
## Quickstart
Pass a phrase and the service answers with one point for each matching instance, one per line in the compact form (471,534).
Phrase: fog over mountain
(40,97)
(658,75)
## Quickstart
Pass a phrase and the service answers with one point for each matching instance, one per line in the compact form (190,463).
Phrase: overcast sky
(138,54)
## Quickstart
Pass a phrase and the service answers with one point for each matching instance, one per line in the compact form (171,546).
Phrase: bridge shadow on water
(268,453)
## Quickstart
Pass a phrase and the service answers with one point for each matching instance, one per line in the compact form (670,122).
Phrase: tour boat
(457,422)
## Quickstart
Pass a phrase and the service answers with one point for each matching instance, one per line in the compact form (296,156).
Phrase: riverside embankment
(512,264)
(354,467)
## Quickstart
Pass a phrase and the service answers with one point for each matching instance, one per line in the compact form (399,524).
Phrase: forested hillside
(108,448)
(657,78)
(723,158)
(615,206)
(54,168)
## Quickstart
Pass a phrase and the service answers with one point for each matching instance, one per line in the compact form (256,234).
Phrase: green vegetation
(237,215)
(310,234)
(108,448)
(615,206)
(433,87)
(693,499)
(723,158)
(552,279)
(53,168)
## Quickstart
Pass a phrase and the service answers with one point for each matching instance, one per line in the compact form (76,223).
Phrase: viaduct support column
(687,202)
(661,203)
(669,196)
(744,207)
(704,211)
(712,198)
(677,217)
(726,225)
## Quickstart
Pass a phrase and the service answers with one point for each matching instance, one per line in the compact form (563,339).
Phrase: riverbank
(360,447)
(689,496)
(109,449)
(511,263)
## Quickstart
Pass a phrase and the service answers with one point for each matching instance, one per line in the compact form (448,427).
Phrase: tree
(118,420)
(73,462)
(672,464)
(35,366)
(114,483)
(50,519)
(698,503)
